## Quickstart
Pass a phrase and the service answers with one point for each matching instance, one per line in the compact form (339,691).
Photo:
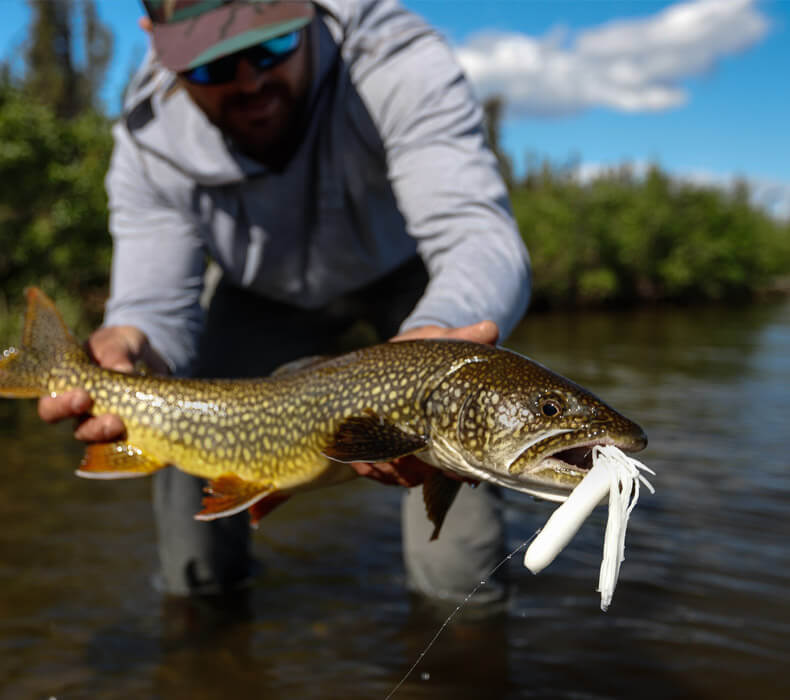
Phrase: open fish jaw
(562,468)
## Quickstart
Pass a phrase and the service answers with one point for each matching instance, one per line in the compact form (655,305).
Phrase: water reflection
(701,609)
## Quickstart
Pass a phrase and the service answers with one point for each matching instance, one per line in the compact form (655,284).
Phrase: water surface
(701,609)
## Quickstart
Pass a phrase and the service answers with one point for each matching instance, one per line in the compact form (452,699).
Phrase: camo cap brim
(189,33)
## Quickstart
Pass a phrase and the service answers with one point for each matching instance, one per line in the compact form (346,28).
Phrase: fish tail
(25,370)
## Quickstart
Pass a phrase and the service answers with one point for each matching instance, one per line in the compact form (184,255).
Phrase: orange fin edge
(116,460)
(230,494)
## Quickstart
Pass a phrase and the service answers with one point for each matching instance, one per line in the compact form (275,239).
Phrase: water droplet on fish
(425,676)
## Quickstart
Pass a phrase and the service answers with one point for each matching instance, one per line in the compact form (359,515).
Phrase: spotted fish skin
(480,411)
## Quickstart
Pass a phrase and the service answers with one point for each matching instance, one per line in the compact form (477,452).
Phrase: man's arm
(158,257)
(448,188)
(445,178)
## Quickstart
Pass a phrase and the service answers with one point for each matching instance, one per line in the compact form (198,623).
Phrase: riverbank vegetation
(624,238)
(620,238)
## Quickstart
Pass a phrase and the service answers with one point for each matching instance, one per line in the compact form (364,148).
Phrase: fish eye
(550,408)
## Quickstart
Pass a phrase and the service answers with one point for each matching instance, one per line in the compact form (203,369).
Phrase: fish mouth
(575,458)
(559,471)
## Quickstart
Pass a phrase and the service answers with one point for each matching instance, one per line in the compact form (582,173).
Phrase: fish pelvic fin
(266,505)
(369,438)
(438,493)
(25,371)
(229,494)
(116,460)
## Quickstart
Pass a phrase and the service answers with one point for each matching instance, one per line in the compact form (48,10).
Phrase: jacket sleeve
(445,178)
(158,259)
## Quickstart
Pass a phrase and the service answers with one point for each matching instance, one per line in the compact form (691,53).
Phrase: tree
(493,109)
(51,74)
(98,49)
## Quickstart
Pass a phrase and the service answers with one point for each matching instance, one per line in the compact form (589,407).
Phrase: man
(329,158)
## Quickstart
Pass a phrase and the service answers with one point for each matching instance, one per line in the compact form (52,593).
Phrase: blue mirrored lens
(201,75)
(264,55)
(282,44)
(273,51)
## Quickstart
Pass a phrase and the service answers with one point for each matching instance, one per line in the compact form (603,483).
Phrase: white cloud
(635,65)
(773,195)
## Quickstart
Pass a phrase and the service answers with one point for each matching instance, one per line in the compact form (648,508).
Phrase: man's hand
(483,332)
(114,347)
(411,471)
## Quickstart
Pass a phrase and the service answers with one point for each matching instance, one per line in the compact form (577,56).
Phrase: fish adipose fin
(438,493)
(24,371)
(229,494)
(371,439)
(116,460)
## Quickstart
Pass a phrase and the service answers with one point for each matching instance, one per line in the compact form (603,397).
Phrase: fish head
(519,424)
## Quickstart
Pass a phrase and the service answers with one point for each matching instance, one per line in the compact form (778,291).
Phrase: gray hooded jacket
(393,162)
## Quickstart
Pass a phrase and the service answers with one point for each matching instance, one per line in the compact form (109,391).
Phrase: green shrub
(621,239)
(53,212)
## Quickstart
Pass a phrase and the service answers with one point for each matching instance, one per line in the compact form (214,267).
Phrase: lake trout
(483,412)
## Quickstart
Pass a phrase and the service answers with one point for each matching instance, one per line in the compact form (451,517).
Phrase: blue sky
(699,87)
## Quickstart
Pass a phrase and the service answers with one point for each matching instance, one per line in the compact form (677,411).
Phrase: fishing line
(458,609)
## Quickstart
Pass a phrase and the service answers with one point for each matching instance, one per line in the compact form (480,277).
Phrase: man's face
(261,110)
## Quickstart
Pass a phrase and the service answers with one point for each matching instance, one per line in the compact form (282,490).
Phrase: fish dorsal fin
(438,493)
(45,329)
(116,460)
(300,364)
(369,438)
(25,371)
(230,494)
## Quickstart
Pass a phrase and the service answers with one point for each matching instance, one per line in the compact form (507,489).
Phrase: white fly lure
(615,473)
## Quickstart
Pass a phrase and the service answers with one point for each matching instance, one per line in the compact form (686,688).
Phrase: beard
(266,125)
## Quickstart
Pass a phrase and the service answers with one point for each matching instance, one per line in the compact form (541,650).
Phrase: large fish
(483,412)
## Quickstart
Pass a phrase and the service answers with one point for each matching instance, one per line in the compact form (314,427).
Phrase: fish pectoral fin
(438,493)
(230,494)
(116,460)
(371,439)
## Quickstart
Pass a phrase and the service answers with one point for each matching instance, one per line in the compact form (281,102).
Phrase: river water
(702,608)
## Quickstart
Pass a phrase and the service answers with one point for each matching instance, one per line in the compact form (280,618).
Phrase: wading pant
(247,336)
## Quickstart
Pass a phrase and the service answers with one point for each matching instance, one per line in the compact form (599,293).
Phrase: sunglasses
(262,56)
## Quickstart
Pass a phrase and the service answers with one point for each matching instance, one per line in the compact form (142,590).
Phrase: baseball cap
(189,33)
